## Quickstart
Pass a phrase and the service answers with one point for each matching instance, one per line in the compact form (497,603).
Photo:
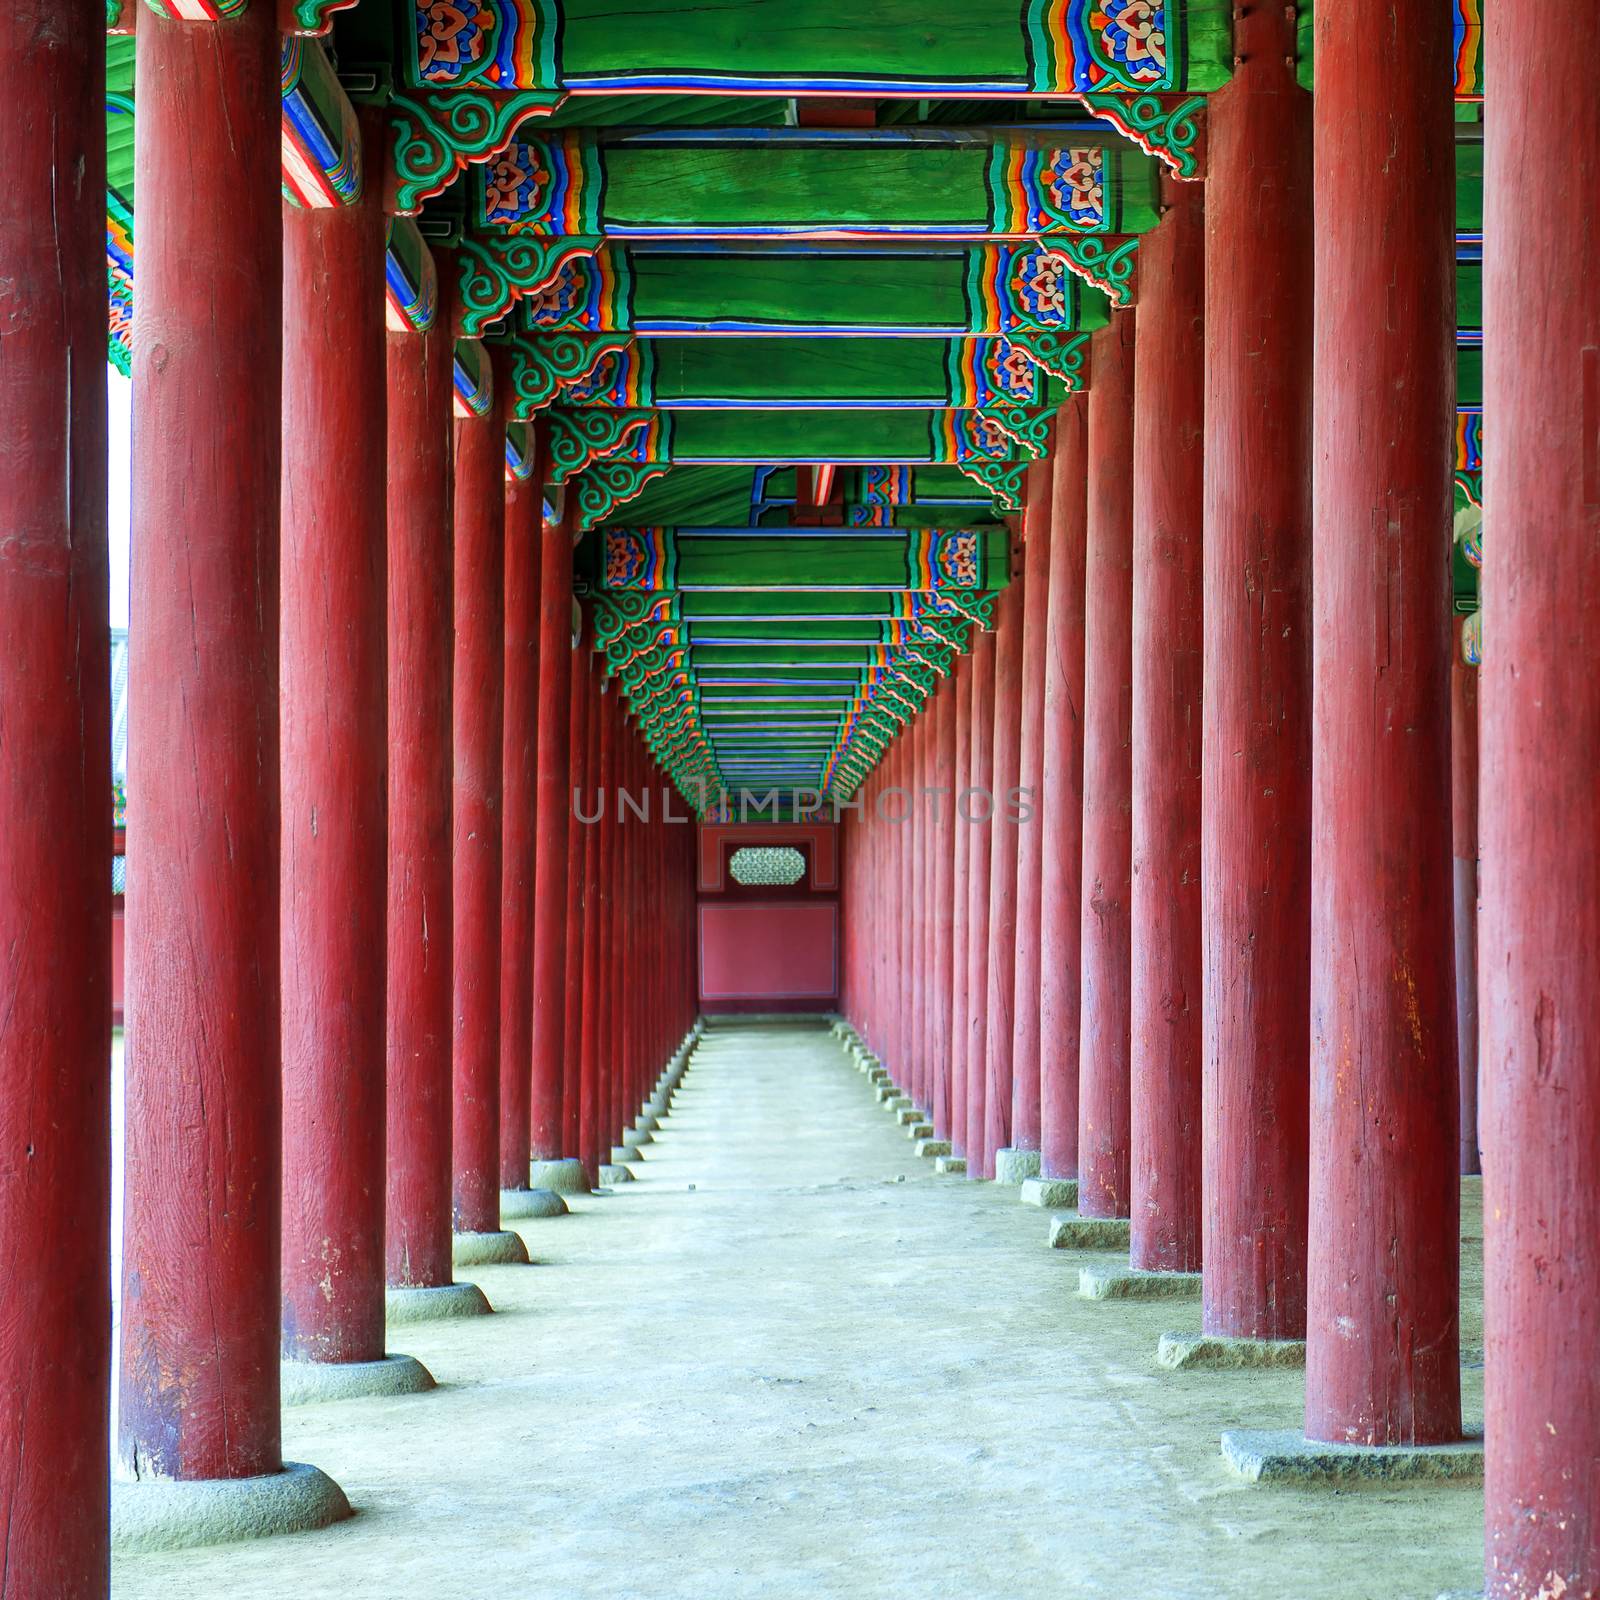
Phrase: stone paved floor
(790,1361)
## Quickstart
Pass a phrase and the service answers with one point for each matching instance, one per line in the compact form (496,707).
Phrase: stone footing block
(171,1514)
(1015,1166)
(908,1114)
(1089,1233)
(517,1205)
(496,1248)
(613,1173)
(1198,1352)
(1053,1194)
(919,1131)
(621,1154)
(564,1176)
(956,1166)
(305,1383)
(1130,1283)
(435,1303)
(933,1147)
(1272,1455)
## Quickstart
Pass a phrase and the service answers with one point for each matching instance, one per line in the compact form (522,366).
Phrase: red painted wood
(1105,1017)
(598,775)
(199,1392)
(333,664)
(1005,741)
(55,811)
(1464,848)
(524,524)
(477,851)
(578,783)
(975,818)
(1025,1109)
(774,952)
(1539,813)
(941,908)
(1382,1358)
(960,1034)
(1060,817)
(1255,782)
(420,929)
(1168,424)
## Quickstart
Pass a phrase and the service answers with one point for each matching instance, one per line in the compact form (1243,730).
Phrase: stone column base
(956,1166)
(1054,1194)
(308,1382)
(518,1204)
(1131,1283)
(1089,1233)
(434,1302)
(1272,1455)
(613,1172)
(500,1248)
(1190,1352)
(1015,1166)
(178,1514)
(564,1176)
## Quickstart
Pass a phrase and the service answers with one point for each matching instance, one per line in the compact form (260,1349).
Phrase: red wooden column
(200,1292)
(960,1034)
(941,908)
(333,664)
(578,780)
(590,832)
(1030,835)
(1060,814)
(1539,814)
(421,521)
(524,529)
(1168,461)
(55,810)
(977,819)
(1006,735)
(1382,1357)
(477,851)
(1105,1018)
(1464,850)
(1255,781)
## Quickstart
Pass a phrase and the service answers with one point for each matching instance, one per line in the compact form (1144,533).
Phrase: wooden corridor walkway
(791,1361)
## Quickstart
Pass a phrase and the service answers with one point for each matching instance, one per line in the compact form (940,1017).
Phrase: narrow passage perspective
(738,1374)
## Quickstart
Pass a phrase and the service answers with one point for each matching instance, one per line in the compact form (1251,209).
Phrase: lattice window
(771,865)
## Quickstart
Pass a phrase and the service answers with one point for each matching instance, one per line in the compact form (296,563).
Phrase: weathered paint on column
(200,1296)
(1382,1357)
(941,909)
(333,657)
(420,937)
(1006,734)
(1168,462)
(1539,810)
(596,773)
(477,851)
(1060,815)
(1464,849)
(577,781)
(55,812)
(976,819)
(546,1135)
(1255,770)
(1025,1109)
(1103,1081)
(524,524)
(960,907)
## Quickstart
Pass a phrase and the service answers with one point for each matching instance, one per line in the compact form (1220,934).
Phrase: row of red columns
(353,643)
(1245,981)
